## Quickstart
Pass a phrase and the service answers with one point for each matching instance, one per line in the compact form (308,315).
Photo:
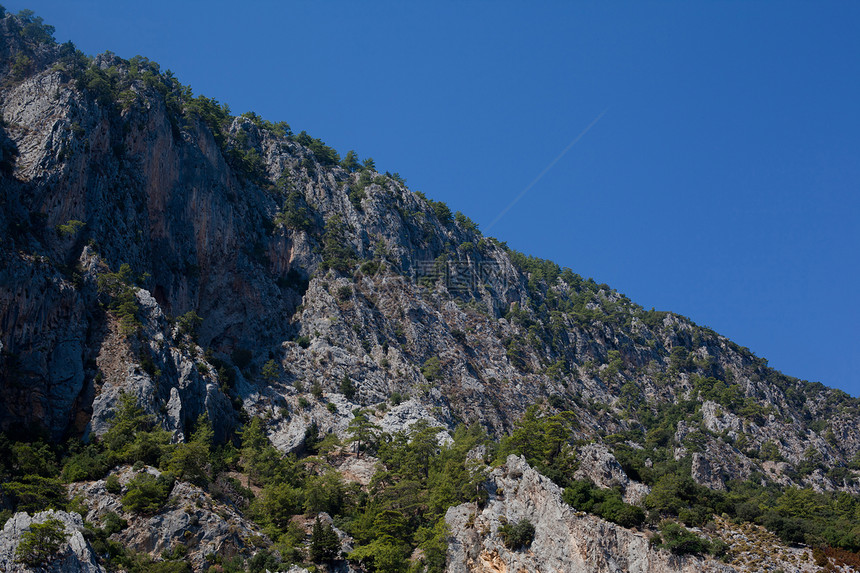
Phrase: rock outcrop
(190,518)
(73,556)
(564,540)
(324,272)
(152,244)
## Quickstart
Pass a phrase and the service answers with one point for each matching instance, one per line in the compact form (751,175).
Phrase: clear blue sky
(723,181)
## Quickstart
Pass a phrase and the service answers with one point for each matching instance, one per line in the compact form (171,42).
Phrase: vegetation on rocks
(338,320)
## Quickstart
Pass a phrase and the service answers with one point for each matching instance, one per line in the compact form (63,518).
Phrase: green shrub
(112,484)
(36,493)
(21,66)
(606,503)
(41,543)
(337,254)
(442,211)
(189,323)
(322,152)
(120,289)
(146,493)
(344,293)
(350,161)
(88,463)
(325,544)
(113,523)
(432,369)
(295,213)
(680,540)
(518,535)
(132,436)
(347,387)
(70,229)
(271,371)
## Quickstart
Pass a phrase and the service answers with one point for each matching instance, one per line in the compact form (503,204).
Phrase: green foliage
(85,462)
(146,494)
(295,213)
(33,458)
(325,544)
(189,461)
(120,289)
(382,555)
(730,396)
(347,387)
(539,269)
(350,161)
(215,115)
(606,503)
(41,543)
(189,323)
(545,441)
(344,293)
(517,536)
(338,254)
(432,369)
(245,159)
(112,484)
(271,371)
(682,541)
(466,223)
(70,228)
(132,435)
(277,503)
(326,155)
(362,432)
(32,493)
(442,211)
(21,66)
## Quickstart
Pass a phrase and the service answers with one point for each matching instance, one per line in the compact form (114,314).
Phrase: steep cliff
(568,540)
(153,244)
(331,272)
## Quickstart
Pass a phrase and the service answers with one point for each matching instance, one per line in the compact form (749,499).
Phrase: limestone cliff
(574,542)
(332,273)
(152,243)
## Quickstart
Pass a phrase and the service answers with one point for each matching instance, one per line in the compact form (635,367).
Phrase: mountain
(168,265)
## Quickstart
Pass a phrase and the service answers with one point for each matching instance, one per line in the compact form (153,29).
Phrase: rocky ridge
(568,540)
(159,192)
(75,554)
(308,274)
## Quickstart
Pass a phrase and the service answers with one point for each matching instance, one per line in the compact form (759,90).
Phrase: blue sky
(722,180)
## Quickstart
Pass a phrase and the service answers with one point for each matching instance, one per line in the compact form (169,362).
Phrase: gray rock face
(190,518)
(428,319)
(598,464)
(156,189)
(564,539)
(74,556)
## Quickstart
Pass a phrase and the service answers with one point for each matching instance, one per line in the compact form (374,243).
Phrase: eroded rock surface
(74,555)
(564,539)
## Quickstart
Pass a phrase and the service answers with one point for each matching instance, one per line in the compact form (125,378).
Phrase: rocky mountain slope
(151,243)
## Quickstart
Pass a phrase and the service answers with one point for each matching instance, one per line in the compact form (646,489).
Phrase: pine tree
(325,544)
(361,430)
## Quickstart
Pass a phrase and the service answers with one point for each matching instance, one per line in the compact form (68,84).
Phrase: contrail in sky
(544,172)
